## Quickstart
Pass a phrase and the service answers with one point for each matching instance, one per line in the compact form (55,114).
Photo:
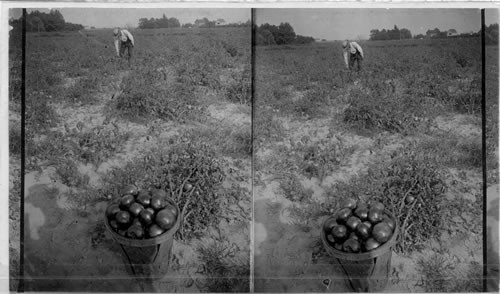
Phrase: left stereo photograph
(137,147)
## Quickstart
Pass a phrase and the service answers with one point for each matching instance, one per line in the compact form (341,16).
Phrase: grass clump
(226,272)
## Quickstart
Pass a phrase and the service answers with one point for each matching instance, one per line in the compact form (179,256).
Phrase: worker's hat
(116,31)
(345,43)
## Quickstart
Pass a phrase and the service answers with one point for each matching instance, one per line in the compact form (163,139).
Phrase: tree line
(491,33)
(165,22)
(267,34)
(37,21)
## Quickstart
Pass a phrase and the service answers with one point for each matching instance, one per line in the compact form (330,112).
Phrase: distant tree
(405,34)
(37,21)
(491,34)
(163,22)
(187,25)
(419,36)
(267,34)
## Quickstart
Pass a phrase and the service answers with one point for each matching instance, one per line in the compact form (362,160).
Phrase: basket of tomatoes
(360,237)
(144,223)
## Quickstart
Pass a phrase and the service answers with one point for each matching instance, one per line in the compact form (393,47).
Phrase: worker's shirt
(352,48)
(123,36)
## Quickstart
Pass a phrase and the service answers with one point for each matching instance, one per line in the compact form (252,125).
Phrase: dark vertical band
(23,151)
(483,126)
(252,61)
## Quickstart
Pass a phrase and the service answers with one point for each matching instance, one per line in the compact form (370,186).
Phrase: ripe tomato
(165,219)
(171,208)
(154,231)
(114,224)
(352,222)
(130,189)
(157,201)
(159,193)
(328,225)
(368,224)
(377,205)
(343,215)
(375,216)
(361,212)
(363,231)
(339,232)
(187,187)
(371,244)
(349,203)
(144,198)
(126,201)
(351,246)
(135,209)
(338,246)
(353,235)
(390,222)
(135,232)
(136,222)
(382,232)
(146,217)
(151,210)
(409,199)
(122,217)
(112,210)
(330,239)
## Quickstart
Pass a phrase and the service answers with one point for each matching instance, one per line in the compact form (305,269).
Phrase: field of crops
(406,131)
(177,115)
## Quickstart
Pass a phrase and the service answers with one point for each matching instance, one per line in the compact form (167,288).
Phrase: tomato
(114,224)
(371,244)
(349,203)
(343,215)
(330,239)
(171,208)
(353,236)
(144,199)
(122,217)
(361,212)
(409,199)
(130,189)
(122,233)
(165,219)
(112,210)
(159,193)
(158,199)
(136,221)
(146,217)
(368,224)
(339,232)
(126,201)
(135,209)
(377,205)
(351,246)
(352,222)
(151,209)
(390,222)
(328,225)
(135,232)
(154,230)
(187,187)
(363,231)
(375,216)
(382,232)
(338,246)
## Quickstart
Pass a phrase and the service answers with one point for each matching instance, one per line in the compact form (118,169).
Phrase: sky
(339,24)
(123,17)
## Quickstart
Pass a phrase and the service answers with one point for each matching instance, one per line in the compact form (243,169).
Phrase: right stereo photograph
(370,164)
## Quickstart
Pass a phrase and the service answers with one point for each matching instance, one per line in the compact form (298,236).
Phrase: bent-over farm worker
(123,41)
(352,53)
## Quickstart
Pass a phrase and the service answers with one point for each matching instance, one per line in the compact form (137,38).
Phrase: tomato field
(176,118)
(404,131)
(309,154)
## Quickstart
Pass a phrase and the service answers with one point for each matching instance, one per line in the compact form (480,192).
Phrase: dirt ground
(287,255)
(66,245)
